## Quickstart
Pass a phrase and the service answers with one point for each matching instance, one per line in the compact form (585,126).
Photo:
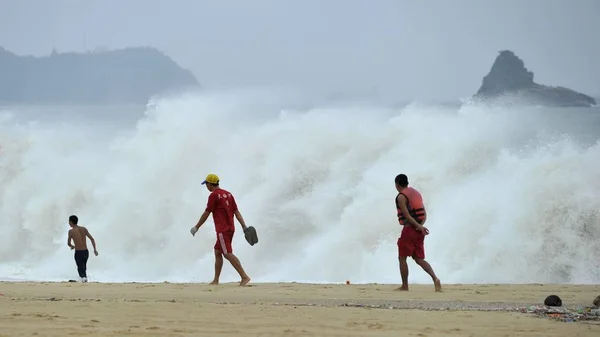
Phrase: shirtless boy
(78,235)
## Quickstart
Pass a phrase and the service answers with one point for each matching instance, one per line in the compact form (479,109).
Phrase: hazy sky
(406,49)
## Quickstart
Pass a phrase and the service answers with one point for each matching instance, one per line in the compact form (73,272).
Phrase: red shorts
(223,243)
(409,245)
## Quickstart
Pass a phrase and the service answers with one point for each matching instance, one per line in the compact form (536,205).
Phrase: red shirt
(222,205)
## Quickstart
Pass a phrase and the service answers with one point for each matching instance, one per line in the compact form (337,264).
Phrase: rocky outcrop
(125,76)
(509,81)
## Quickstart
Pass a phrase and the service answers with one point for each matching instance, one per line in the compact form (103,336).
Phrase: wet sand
(284,309)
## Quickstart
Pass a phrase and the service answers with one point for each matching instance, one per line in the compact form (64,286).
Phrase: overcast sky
(407,49)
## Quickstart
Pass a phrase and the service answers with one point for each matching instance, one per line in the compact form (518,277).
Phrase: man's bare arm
(239,218)
(202,219)
(69,238)
(87,233)
(409,218)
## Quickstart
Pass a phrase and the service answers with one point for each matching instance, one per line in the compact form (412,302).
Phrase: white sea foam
(511,196)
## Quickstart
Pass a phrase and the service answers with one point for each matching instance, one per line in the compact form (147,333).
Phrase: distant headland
(510,81)
(124,76)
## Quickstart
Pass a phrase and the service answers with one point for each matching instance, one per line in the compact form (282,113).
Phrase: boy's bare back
(78,234)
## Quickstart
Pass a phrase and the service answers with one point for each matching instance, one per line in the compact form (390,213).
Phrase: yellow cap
(211,178)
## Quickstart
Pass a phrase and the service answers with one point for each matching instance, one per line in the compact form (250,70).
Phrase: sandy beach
(286,309)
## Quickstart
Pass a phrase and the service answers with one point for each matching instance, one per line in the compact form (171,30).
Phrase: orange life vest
(415,206)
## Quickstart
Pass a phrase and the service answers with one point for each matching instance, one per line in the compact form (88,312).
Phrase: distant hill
(124,76)
(509,80)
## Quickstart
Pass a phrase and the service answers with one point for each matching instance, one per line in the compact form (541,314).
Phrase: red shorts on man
(224,240)
(411,243)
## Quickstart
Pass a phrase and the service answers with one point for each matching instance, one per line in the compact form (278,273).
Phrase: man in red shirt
(223,207)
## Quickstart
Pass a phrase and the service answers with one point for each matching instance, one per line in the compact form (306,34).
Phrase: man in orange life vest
(412,216)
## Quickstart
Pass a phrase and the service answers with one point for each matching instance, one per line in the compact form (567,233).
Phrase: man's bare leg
(427,268)
(218,266)
(403,273)
(235,262)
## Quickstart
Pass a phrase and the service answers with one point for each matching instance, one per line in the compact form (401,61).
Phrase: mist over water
(512,194)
